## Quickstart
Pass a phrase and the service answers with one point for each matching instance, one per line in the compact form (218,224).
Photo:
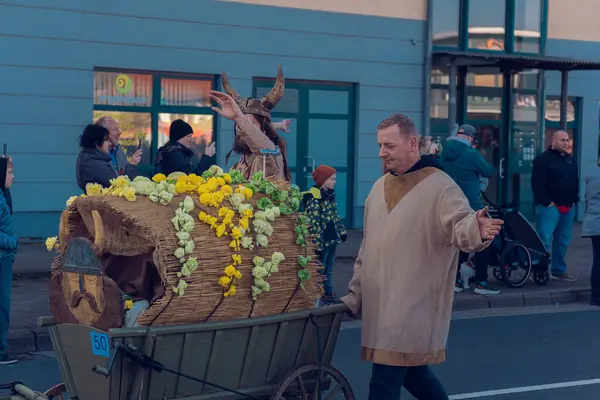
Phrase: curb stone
(28,341)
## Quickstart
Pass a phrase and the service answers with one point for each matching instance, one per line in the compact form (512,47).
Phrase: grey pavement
(540,354)
(32,269)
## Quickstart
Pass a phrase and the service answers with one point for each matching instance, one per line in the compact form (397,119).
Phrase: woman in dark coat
(94,163)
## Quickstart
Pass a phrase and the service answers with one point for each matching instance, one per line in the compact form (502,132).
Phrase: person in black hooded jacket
(8,250)
(176,155)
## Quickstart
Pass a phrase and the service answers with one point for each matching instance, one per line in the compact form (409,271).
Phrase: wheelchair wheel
(515,265)
(498,274)
(541,277)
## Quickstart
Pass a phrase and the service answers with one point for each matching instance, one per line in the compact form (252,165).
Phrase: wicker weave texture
(141,227)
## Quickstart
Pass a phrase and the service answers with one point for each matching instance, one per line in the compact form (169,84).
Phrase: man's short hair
(404,123)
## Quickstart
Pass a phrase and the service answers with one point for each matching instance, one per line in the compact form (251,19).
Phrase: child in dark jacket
(325,224)
(8,250)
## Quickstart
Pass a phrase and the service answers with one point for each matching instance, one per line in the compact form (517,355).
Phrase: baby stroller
(517,252)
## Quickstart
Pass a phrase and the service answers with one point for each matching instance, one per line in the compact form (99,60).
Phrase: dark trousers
(595,278)
(387,382)
(481,265)
(328,259)
(5,296)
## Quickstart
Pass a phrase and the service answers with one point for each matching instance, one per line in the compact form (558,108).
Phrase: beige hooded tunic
(404,276)
(256,140)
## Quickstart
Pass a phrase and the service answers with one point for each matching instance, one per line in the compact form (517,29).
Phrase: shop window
(485,77)
(528,26)
(525,108)
(552,117)
(487,19)
(484,108)
(128,98)
(119,89)
(527,79)
(553,111)
(185,93)
(445,23)
(438,104)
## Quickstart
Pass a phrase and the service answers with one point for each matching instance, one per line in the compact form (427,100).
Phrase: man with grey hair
(119,160)
(416,220)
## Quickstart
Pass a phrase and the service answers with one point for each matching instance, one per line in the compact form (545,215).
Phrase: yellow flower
(106,191)
(182,178)
(51,243)
(129,194)
(237,259)
(211,184)
(159,178)
(93,189)
(220,182)
(227,221)
(203,216)
(205,199)
(244,223)
(223,211)
(248,193)
(236,233)
(227,178)
(230,214)
(203,189)
(220,230)
(238,274)
(195,179)
(120,181)
(227,190)
(230,270)
(248,213)
(71,200)
(224,281)
(181,186)
(212,221)
(233,244)
(230,292)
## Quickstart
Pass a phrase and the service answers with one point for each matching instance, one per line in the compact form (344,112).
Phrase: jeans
(595,278)
(481,265)
(552,226)
(5,297)
(387,382)
(328,259)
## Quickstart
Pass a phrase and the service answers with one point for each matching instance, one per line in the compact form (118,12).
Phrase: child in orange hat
(325,224)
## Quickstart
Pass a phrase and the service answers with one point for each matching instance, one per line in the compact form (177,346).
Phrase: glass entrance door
(487,142)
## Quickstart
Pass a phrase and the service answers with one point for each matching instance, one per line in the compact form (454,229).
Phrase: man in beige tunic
(416,220)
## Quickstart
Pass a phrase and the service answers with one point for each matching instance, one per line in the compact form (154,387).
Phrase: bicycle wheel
(515,265)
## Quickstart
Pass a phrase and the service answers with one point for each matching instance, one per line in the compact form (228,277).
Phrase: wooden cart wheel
(293,386)
(58,392)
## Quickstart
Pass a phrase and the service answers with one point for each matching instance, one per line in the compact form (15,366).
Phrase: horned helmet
(263,106)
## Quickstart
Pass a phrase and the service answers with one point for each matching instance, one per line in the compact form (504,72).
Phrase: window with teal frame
(509,26)
(145,103)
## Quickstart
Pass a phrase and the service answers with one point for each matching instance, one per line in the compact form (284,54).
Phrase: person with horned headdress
(260,146)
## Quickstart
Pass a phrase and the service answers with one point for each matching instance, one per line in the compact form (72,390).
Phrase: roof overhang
(515,62)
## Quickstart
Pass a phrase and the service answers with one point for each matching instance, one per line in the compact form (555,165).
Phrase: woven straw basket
(124,228)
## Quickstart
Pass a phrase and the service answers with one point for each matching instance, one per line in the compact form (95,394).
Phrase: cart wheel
(331,384)
(515,261)
(58,392)
(541,277)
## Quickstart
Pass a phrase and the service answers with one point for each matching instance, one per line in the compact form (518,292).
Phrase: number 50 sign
(100,344)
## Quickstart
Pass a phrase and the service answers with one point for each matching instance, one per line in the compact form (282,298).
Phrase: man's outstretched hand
(488,228)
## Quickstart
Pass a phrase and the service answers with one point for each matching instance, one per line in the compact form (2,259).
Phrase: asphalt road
(549,355)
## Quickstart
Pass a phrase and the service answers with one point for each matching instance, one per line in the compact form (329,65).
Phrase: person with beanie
(8,251)
(325,224)
(176,155)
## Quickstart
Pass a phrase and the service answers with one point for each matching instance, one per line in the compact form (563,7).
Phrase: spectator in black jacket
(176,155)
(555,185)
(94,164)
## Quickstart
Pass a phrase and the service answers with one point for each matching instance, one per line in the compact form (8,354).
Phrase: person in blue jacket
(467,166)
